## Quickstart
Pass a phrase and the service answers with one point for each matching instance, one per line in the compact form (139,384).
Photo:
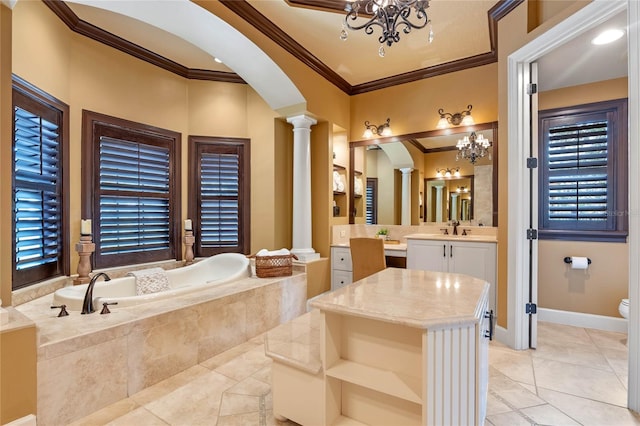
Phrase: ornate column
(454,206)
(302,187)
(405,218)
(439,203)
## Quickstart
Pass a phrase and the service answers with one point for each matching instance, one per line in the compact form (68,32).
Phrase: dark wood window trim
(237,146)
(29,96)
(615,227)
(95,125)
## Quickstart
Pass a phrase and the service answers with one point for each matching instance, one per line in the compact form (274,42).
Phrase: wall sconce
(462,189)
(448,173)
(447,119)
(382,130)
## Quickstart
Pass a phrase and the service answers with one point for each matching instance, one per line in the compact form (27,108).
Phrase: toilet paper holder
(568,260)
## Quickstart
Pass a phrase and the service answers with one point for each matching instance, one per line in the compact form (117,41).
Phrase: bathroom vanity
(401,346)
(341,267)
(462,254)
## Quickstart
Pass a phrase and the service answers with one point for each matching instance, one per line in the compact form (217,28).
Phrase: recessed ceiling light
(217,60)
(607,36)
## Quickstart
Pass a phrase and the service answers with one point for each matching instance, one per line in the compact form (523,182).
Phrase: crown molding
(247,12)
(75,24)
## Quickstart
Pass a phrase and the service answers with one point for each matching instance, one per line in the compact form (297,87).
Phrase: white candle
(188,226)
(85,227)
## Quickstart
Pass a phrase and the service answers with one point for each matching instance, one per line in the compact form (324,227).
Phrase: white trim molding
(579,319)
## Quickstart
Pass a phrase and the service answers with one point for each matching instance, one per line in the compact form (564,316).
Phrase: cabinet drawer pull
(489,333)
(450,251)
(444,250)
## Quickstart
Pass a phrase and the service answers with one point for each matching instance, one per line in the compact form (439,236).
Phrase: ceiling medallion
(390,16)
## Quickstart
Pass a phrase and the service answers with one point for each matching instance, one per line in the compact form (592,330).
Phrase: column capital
(302,121)
(406,170)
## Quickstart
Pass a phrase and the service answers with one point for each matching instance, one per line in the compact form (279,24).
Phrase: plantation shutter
(370,202)
(578,172)
(134,200)
(220,200)
(37,191)
(583,172)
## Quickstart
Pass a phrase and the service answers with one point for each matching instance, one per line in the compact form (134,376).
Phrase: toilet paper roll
(579,262)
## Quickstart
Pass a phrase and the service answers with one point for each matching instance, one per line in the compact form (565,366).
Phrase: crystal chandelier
(390,16)
(473,147)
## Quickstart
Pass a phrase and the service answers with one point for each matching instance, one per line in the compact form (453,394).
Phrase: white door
(533,208)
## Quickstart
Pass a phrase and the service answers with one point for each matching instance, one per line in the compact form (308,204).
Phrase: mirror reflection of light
(456,285)
(439,284)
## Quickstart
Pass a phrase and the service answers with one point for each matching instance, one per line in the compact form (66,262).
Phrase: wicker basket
(274,266)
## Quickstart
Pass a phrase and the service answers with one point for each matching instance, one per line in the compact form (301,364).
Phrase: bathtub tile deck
(525,387)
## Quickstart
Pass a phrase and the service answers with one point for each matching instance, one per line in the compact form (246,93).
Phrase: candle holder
(84,248)
(189,240)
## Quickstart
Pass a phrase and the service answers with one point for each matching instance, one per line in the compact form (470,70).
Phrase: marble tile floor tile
(576,376)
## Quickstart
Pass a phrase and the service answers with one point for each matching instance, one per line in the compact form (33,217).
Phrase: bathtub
(214,270)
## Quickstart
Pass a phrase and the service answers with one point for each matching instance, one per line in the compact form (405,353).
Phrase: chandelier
(473,147)
(390,16)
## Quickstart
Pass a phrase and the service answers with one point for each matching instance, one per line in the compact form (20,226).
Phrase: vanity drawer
(340,278)
(341,258)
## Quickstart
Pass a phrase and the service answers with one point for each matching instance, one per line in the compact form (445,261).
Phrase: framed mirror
(479,203)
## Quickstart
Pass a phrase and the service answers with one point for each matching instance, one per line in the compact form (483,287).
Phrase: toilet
(623,308)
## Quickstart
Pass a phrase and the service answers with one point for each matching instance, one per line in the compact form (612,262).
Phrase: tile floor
(576,376)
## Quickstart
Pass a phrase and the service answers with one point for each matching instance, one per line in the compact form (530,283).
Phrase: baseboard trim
(577,319)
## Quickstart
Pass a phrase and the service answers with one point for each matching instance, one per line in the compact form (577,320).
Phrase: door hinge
(532,88)
(532,234)
(530,308)
(532,163)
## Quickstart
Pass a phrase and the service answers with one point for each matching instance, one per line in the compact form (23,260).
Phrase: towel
(281,252)
(150,280)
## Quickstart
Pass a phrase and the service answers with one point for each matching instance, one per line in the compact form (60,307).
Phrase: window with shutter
(134,209)
(371,215)
(39,201)
(220,180)
(583,172)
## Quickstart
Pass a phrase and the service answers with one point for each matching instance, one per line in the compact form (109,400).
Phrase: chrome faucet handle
(466,231)
(105,307)
(63,310)
(445,231)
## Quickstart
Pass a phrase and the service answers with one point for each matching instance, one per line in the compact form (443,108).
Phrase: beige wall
(88,75)
(599,290)
(413,107)
(512,35)
(6,153)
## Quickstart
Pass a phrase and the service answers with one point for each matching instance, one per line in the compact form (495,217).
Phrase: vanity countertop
(397,250)
(449,237)
(420,299)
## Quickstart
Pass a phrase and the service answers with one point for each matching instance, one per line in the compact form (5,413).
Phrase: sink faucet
(455,224)
(87,305)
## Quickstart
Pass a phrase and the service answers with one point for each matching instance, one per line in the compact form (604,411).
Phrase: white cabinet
(477,259)
(341,269)
(421,370)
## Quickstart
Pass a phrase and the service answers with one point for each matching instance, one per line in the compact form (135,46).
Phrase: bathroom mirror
(432,151)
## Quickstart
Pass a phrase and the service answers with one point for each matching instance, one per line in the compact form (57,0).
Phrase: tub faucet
(87,305)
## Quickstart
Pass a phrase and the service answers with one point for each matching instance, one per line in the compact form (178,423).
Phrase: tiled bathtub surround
(86,362)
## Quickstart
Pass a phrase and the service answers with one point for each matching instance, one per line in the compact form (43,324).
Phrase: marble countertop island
(420,299)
